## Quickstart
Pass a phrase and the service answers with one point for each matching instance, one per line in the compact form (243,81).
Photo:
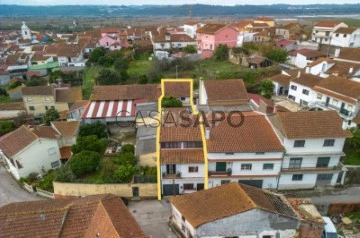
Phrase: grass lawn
(4,99)
(89,80)
(106,168)
(139,67)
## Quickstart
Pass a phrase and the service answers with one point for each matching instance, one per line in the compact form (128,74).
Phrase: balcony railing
(326,106)
(228,172)
(171,176)
(310,169)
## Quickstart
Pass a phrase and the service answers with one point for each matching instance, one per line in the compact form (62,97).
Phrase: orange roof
(252,133)
(177,89)
(181,156)
(211,28)
(231,89)
(228,200)
(327,24)
(66,128)
(15,141)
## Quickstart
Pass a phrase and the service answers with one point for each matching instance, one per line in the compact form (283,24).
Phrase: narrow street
(10,191)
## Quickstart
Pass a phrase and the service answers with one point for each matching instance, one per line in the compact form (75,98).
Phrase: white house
(301,88)
(323,31)
(67,134)
(301,58)
(346,37)
(237,210)
(350,55)
(27,150)
(76,110)
(191,27)
(314,141)
(243,148)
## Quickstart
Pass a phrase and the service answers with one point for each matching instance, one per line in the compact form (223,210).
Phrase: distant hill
(181,10)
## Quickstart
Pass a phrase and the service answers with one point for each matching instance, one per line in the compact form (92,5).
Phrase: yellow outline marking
(201,126)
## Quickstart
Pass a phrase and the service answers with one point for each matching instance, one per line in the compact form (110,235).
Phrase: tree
(123,76)
(221,52)
(266,88)
(64,174)
(84,162)
(106,61)
(98,129)
(90,143)
(36,81)
(143,79)
(170,101)
(6,127)
(96,54)
(124,173)
(126,158)
(16,84)
(108,77)
(190,49)
(128,148)
(277,55)
(3,92)
(121,63)
(50,115)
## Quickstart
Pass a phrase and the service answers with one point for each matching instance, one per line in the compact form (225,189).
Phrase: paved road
(10,191)
(152,216)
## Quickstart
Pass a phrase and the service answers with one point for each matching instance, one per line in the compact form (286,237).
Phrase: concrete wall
(148,190)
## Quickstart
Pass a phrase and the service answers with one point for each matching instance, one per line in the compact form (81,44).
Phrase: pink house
(210,36)
(107,41)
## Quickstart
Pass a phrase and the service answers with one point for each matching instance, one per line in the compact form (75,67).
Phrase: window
(182,99)
(293,87)
(299,143)
(319,96)
(295,163)
(337,35)
(193,169)
(335,102)
(329,142)
(305,91)
(246,166)
(229,153)
(297,177)
(323,162)
(268,166)
(260,153)
(52,151)
(31,108)
(192,144)
(188,186)
(46,108)
(171,168)
(225,182)
(168,145)
(291,97)
(55,164)
(52,107)
(345,35)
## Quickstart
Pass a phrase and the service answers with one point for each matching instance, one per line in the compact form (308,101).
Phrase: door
(342,106)
(254,183)
(327,101)
(200,186)
(220,166)
(135,191)
(323,179)
(170,189)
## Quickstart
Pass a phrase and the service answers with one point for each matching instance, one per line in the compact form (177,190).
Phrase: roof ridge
(107,214)
(247,195)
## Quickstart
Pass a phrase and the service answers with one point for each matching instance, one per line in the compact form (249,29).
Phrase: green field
(89,80)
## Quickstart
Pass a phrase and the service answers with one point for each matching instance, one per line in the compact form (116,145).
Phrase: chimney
(351,70)
(337,52)
(307,70)
(207,133)
(299,74)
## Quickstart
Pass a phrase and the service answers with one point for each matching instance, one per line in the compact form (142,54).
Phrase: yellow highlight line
(201,126)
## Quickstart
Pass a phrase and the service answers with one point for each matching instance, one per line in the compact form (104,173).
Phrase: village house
(172,41)
(223,95)
(11,110)
(341,95)
(210,36)
(179,90)
(265,20)
(314,142)
(30,150)
(323,31)
(245,29)
(238,210)
(37,100)
(301,58)
(281,81)
(290,31)
(301,88)
(346,37)
(287,45)
(246,150)
(67,133)
(76,110)
(191,27)
(350,55)
(103,215)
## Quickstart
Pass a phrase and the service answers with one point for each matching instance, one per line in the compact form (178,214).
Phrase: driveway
(10,191)
(152,216)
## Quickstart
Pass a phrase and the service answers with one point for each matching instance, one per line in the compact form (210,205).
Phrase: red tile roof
(65,152)
(177,89)
(330,24)
(15,141)
(181,156)
(66,128)
(220,90)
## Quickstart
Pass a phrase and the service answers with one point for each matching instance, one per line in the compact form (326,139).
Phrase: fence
(28,188)
(143,190)
(38,191)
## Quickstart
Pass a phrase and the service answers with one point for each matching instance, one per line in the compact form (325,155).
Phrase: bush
(221,52)
(3,92)
(126,158)
(84,162)
(108,77)
(64,174)
(6,127)
(170,101)
(98,129)
(190,49)
(143,79)
(50,115)
(266,88)
(106,61)
(14,85)
(96,54)
(124,173)
(121,64)
(36,81)
(128,148)
(277,55)
(90,143)
(46,183)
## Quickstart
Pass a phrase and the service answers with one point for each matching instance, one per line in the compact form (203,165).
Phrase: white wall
(202,93)
(298,93)
(346,40)
(314,146)
(268,182)
(300,61)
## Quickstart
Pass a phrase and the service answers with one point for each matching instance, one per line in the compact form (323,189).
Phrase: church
(25,32)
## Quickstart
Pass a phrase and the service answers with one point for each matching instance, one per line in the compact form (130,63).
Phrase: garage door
(254,183)
(170,189)
(323,179)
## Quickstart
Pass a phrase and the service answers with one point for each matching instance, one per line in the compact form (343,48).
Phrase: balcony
(171,175)
(346,114)
(311,169)
(226,173)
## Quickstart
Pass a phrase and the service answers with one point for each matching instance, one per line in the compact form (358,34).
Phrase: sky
(171,2)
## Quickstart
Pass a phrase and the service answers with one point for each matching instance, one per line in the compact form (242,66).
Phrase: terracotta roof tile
(210,28)
(310,124)
(254,135)
(308,80)
(15,141)
(352,54)
(320,60)
(65,152)
(342,68)
(227,200)
(231,89)
(347,89)
(12,106)
(44,132)
(282,79)
(71,94)
(150,92)
(177,89)
(66,128)
(181,156)
(37,90)
(345,30)
(78,104)
(327,24)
